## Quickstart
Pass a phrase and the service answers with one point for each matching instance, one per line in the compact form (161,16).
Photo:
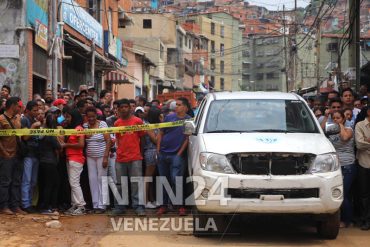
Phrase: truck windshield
(259,115)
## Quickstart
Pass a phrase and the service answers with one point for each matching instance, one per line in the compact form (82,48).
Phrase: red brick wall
(29,48)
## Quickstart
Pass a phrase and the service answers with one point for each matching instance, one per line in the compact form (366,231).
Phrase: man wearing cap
(92,93)
(362,137)
(60,103)
(31,160)
(11,169)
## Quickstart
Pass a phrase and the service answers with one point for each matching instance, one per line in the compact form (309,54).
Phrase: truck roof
(255,95)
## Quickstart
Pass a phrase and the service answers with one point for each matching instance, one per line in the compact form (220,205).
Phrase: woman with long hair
(344,145)
(97,154)
(74,146)
(154,116)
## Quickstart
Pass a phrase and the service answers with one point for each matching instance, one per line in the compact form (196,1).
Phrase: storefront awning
(120,77)
(101,62)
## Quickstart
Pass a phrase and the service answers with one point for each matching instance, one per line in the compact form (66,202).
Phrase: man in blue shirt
(171,147)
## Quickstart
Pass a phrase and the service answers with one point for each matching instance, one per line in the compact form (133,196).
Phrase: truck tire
(328,228)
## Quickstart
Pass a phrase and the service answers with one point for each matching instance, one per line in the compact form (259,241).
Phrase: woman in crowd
(74,146)
(344,143)
(49,146)
(348,114)
(97,154)
(154,116)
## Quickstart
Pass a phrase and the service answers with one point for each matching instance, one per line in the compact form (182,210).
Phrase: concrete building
(264,63)
(199,48)
(330,49)
(225,42)
(163,42)
(33,58)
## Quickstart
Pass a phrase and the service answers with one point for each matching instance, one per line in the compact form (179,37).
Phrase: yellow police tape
(68,132)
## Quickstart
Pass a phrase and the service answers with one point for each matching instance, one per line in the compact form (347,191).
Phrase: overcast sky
(278,4)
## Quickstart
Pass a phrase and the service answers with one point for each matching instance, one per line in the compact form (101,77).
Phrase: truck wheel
(206,224)
(329,227)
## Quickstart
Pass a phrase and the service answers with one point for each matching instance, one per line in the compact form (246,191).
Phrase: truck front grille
(287,193)
(271,163)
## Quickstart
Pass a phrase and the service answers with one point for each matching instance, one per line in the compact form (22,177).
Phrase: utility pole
(285,53)
(295,51)
(52,62)
(318,43)
(92,81)
(354,44)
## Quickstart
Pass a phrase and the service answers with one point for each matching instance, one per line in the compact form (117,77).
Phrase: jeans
(364,192)
(29,180)
(112,168)
(74,174)
(348,172)
(171,167)
(11,171)
(96,172)
(50,187)
(134,171)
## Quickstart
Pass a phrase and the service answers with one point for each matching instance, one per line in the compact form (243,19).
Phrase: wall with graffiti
(13,70)
(10,75)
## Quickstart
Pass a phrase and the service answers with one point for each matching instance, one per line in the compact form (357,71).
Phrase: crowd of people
(351,112)
(67,172)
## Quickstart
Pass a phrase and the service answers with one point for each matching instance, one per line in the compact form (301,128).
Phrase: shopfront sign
(41,35)
(9,51)
(80,20)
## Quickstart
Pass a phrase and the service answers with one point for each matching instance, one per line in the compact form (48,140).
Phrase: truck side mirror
(189,127)
(332,129)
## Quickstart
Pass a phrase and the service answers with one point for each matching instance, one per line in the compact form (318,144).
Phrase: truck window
(259,115)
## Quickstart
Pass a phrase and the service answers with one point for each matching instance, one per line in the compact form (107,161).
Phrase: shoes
(161,210)
(79,211)
(182,211)
(19,211)
(117,211)
(140,212)
(70,210)
(365,226)
(99,211)
(151,205)
(30,210)
(6,211)
(49,212)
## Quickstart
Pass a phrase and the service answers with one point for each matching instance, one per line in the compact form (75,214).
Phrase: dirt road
(97,230)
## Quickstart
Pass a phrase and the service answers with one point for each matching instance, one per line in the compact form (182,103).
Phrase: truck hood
(225,143)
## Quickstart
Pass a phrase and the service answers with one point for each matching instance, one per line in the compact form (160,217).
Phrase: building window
(213,64)
(212,82)
(272,75)
(161,51)
(147,23)
(110,19)
(213,49)
(222,84)
(213,28)
(260,53)
(222,49)
(186,42)
(222,32)
(95,9)
(222,67)
(259,76)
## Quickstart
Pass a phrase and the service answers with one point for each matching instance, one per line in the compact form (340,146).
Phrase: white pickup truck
(274,156)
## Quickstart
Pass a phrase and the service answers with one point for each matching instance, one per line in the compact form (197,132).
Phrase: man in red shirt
(129,157)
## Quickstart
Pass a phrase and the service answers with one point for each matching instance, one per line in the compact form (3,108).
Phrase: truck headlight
(325,163)
(215,163)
